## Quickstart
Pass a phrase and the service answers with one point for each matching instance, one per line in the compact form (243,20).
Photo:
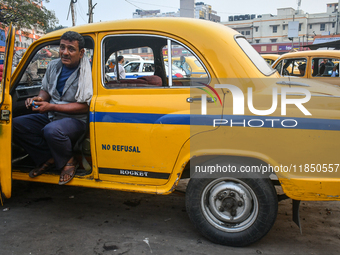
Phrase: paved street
(52,219)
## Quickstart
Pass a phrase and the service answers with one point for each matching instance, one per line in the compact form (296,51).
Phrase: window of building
(274,29)
(257,41)
(247,32)
(144,50)
(242,32)
(273,40)
(300,26)
(126,51)
(310,26)
(333,25)
(284,27)
(274,47)
(322,27)
(256,29)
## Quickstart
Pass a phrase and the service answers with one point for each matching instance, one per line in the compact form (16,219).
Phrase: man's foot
(69,171)
(48,165)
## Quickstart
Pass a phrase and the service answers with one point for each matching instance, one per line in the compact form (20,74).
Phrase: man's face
(69,53)
(325,60)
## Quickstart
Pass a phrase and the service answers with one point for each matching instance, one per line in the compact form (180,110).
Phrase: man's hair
(74,36)
(302,67)
(119,58)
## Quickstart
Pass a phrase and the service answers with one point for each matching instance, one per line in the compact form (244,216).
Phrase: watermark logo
(204,98)
(239,98)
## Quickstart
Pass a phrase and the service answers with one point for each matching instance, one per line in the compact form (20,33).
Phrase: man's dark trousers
(43,139)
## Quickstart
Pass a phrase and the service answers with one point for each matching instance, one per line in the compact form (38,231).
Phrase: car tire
(231,211)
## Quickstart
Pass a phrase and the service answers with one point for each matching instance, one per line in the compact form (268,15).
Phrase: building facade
(188,8)
(270,33)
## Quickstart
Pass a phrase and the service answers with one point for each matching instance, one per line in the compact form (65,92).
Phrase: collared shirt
(49,84)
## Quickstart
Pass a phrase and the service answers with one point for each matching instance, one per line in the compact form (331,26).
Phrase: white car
(136,69)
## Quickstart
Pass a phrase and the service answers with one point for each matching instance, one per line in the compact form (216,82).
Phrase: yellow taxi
(148,133)
(319,65)
(190,65)
(270,58)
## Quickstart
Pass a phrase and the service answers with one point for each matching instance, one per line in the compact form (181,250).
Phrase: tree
(55,28)
(26,14)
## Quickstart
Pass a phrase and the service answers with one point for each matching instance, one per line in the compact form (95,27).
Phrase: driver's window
(36,69)
(294,67)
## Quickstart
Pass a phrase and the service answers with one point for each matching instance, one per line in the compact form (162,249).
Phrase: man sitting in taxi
(60,108)
(302,69)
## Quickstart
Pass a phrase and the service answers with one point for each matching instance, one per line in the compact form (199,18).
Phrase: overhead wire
(81,13)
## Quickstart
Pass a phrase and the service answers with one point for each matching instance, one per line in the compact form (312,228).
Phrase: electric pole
(72,12)
(91,11)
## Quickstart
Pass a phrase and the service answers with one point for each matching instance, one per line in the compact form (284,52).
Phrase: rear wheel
(231,211)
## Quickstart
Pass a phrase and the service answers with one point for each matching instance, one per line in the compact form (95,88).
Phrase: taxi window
(254,56)
(35,70)
(150,67)
(325,67)
(294,67)
(186,69)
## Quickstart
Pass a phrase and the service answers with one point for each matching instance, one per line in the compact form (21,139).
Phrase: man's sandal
(70,170)
(42,169)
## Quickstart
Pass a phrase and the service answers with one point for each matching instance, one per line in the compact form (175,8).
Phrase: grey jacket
(49,84)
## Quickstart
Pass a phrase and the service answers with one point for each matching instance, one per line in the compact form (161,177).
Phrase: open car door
(6,119)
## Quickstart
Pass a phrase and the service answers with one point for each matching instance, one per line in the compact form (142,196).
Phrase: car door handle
(193,99)
(135,75)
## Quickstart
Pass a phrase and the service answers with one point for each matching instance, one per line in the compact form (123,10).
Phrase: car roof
(141,61)
(219,44)
(176,26)
(270,56)
(312,53)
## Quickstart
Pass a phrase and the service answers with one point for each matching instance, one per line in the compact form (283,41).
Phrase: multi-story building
(199,10)
(269,33)
(204,11)
(188,8)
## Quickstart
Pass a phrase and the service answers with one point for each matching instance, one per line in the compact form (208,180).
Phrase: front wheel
(230,211)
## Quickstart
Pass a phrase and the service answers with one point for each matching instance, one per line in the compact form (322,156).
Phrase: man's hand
(42,106)
(42,96)
(29,101)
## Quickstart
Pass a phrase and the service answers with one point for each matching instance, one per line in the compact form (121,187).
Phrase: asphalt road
(52,219)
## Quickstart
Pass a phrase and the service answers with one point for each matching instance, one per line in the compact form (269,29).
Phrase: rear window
(254,56)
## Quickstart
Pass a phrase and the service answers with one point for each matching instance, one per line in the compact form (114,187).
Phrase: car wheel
(230,211)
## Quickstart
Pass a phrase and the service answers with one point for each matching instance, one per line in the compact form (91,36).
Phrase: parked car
(146,134)
(137,69)
(190,65)
(270,58)
(127,58)
(319,65)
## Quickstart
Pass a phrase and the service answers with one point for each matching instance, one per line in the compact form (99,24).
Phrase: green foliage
(26,14)
(55,28)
